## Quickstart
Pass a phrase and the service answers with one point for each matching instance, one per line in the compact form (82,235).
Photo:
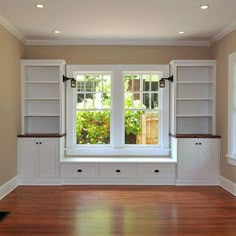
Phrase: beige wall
(117,54)
(11,50)
(220,52)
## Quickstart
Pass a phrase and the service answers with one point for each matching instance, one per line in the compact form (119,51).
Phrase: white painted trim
(231,160)
(118,181)
(196,182)
(223,33)
(231,106)
(9,27)
(119,42)
(227,185)
(123,160)
(39,182)
(8,187)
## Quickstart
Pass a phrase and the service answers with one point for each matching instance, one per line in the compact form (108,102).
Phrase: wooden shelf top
(194,136)
(35,135)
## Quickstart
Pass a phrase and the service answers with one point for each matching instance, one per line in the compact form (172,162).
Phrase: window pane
(128,100)
(154,86)
(106,100)
(128,83)
(141,127)
(80,101)
(89,104)
(106,83)
(136,100)
(132,125)
(146,100)
(154,100)
(93,127)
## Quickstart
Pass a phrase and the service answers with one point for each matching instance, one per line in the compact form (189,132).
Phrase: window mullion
(117,121)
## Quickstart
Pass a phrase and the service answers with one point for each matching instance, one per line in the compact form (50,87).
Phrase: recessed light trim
(39,5)
(204,7)
(56,32)
(181,32)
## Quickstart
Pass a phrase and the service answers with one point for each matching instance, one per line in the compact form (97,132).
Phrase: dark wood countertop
(41,135)
(194,136)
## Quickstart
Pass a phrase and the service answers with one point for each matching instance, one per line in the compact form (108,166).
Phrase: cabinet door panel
(186,166)
(49,157)
(208,159)
(28,158)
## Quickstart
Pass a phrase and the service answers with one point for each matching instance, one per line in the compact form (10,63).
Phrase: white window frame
(116,148)
(232,109)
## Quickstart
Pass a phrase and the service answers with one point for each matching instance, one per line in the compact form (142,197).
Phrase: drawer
(78,171)
(156,171)
(116,171)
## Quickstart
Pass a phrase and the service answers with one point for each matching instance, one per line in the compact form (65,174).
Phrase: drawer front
(156,171)
(116,171)
(77,171)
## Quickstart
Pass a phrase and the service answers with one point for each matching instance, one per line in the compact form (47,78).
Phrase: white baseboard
(39,182)
(8,187)
(228,185)
(196,182)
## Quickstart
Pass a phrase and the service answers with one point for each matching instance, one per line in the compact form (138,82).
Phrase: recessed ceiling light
(204,7)
(39,5)
(181,32)
(56,32)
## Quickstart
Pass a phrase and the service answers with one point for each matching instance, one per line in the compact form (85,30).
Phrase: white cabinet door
(28,157)
(187,162)
(208,159)
(48,157)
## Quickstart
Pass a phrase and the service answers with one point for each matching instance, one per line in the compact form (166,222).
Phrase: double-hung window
(232,109)
(117,110)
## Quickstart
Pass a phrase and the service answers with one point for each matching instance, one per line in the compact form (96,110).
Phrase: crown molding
(119,42)
(223,33)
(9,27)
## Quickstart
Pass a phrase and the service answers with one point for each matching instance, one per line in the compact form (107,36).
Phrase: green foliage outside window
(93,127)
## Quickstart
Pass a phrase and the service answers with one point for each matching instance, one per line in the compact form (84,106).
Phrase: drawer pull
(79,170)
(118,171)
(156,171)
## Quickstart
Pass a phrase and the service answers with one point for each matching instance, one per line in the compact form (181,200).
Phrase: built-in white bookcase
(193,97)
(42,96)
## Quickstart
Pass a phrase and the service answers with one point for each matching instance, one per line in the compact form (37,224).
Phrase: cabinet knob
(156,171)
(37,143)
(200,143)
(118,171)
(79,170)
(40,142)
(196,143)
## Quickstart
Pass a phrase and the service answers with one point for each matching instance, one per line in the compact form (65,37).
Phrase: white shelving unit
(192,127)
(193,97)
(42,96)
(41,142)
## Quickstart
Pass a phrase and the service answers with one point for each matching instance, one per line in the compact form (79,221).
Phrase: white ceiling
(119,21)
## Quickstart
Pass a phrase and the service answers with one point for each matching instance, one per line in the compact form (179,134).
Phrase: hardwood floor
(119,210)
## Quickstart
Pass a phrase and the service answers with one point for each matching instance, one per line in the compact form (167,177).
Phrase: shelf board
(193,116)
(194,99)
(194,82)
(41,98)
(42,82)
(41,115)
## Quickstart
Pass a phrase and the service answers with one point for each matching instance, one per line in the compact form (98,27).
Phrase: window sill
(118,160)
(231,159)
(123,152)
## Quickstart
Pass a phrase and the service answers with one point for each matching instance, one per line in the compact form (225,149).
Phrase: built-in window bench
(118,170)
